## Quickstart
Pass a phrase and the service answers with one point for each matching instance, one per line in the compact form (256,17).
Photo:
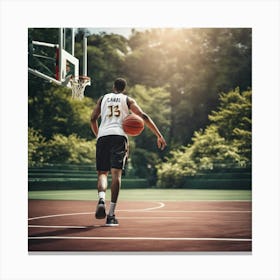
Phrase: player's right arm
(135,108)
(94,117)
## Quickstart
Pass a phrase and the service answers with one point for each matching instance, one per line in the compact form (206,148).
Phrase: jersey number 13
(114,111)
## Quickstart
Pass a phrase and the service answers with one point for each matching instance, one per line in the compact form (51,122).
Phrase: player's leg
(115,185)
(118,155)
(103,167)
(115,188)
(102,183)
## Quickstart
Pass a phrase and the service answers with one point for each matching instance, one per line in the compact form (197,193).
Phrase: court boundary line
(152,200)
(58,226)
(91,213)
(201,211)
(163,211)
(151,210)
(143,238)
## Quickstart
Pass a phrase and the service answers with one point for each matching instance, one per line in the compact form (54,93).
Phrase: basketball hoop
(78,86)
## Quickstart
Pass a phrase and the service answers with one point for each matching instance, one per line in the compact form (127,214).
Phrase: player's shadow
(66,231)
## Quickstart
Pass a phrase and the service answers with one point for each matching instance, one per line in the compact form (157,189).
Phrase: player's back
(114,109)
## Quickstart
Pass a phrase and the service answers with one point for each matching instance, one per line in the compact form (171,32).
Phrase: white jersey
(114,109)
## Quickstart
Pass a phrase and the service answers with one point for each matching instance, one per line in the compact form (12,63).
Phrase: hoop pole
(60,53)
(73,41)
(57,63)
(84,56)
(64,38)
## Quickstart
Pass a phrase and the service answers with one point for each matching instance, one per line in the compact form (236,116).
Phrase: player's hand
(161,143)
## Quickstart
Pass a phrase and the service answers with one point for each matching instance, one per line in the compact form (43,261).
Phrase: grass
(145,194)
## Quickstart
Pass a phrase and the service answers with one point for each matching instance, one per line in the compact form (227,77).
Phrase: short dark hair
(120,84)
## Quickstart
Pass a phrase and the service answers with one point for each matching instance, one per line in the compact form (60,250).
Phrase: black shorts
(111,152)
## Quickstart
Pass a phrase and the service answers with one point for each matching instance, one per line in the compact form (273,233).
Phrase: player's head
(119,85)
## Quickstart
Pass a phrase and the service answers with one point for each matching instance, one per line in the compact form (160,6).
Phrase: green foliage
(234,120)
(143,164)
(171,174)
(225,143)
(195,64)
(59,149)
(176,76)
(36,144)
(79,121)
(210,150)
(52,111)
(155,102)
(71,149)
(106,54)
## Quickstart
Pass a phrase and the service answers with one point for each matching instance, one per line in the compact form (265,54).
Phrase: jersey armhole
(100,99)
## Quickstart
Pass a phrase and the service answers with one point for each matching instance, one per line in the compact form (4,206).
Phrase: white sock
(112,208)
(101,195)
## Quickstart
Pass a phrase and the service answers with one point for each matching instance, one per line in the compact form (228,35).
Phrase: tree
(71,149)
(225,143)
(106,54)
(155,102)
(176,73)
(234,120)
(36,144)
(172,172)
(194,65)
(210,150)
(52,111)
(59,149)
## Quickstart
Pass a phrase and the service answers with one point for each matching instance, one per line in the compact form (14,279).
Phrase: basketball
(133,125)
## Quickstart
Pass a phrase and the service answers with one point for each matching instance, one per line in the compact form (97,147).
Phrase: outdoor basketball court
(145,226)
(159,225)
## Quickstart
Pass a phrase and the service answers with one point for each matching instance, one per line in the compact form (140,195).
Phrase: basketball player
(112,143)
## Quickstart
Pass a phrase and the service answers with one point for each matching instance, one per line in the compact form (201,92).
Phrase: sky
(125,31)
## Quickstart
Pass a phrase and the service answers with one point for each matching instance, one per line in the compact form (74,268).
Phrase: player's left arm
(135,108)
(94,117)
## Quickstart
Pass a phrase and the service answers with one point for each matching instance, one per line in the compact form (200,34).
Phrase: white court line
(161,205)
(122,218)
(142,238)
(163,211)
(60,215)
(91,213)
(44,226)
(201,211)
(204,200)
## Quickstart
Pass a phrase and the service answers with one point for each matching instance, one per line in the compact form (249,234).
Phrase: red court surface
(144,226)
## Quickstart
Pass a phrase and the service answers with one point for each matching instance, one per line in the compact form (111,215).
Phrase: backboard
(55,60)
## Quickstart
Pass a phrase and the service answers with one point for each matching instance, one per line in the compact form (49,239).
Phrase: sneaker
(100,212)
(111,221)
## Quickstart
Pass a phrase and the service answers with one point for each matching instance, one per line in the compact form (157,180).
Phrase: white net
(78,86)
